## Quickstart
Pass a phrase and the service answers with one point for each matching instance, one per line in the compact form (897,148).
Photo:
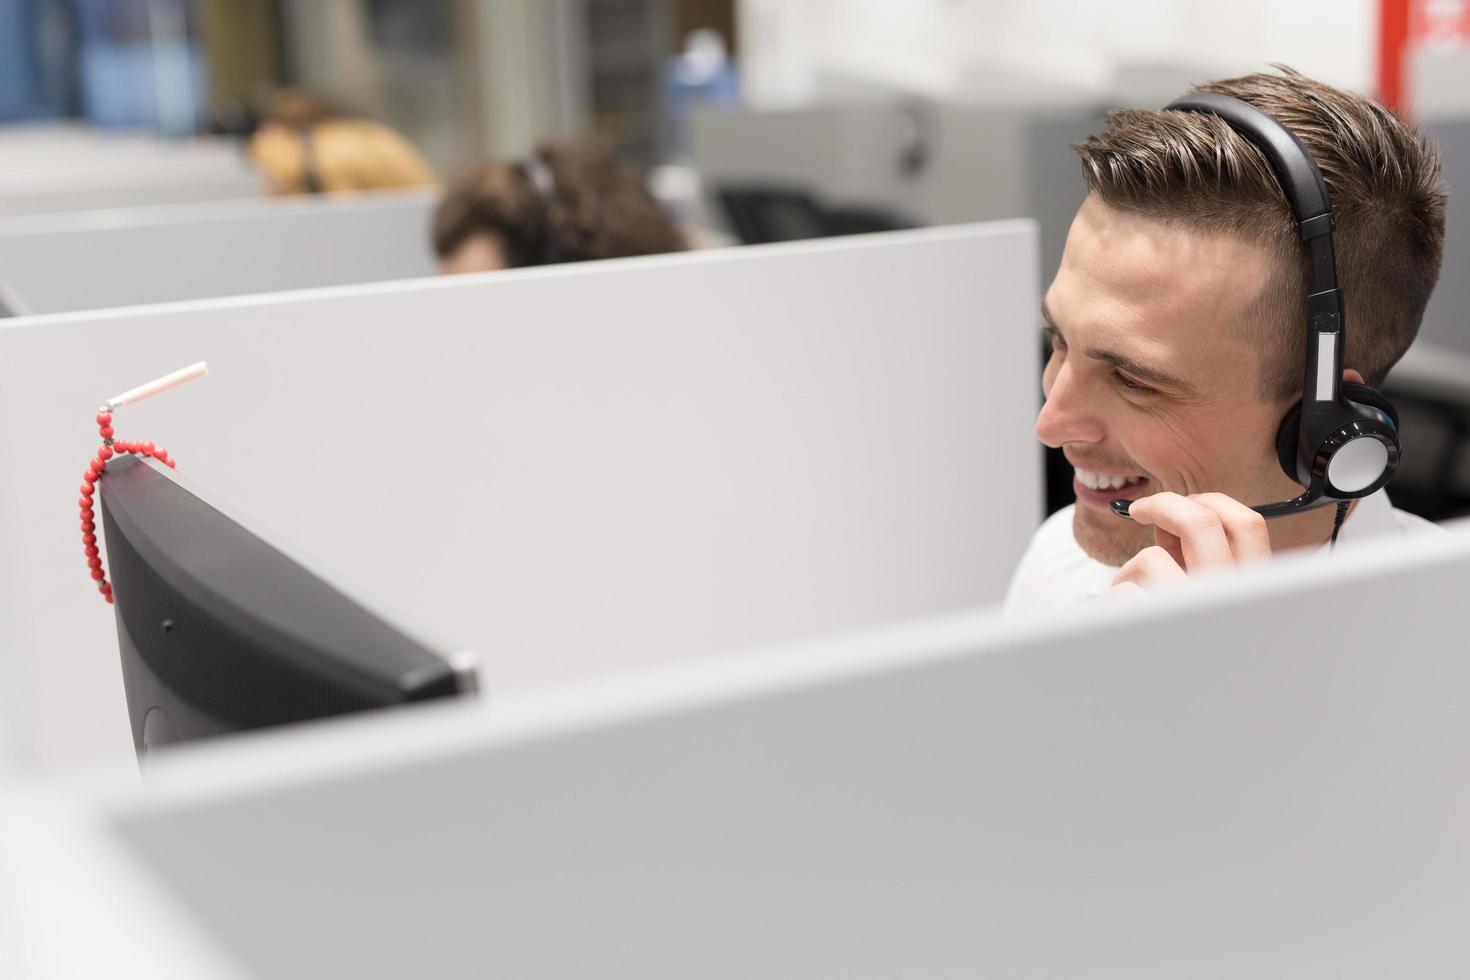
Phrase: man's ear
(1351,376)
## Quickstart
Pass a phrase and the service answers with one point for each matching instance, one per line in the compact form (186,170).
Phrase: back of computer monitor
(221,632)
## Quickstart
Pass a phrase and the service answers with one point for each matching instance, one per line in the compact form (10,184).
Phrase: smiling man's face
(1152,379)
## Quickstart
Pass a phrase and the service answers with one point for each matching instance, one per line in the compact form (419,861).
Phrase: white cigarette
(159,385)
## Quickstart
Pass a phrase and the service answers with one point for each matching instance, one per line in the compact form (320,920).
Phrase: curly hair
(1388,201)
(597,209)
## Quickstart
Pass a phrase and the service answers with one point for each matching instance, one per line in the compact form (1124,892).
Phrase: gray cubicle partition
(1260,778)
(72,905)
(37,148)
(11,303)
(572,470)
(1447,320)
(122,257)
(77,172)
(149,189)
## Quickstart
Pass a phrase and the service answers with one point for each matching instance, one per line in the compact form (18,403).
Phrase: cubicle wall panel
(1447,319)
(1218,786)
(95,178)
(94,260)
(570,470)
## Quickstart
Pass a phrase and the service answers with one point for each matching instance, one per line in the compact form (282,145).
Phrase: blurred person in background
(567,202)
(305,145)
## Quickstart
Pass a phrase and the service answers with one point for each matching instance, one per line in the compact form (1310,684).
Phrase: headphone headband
(1294,167)
(543,182)
(1297,173)
(1306,193)
(311,171)
(538,174)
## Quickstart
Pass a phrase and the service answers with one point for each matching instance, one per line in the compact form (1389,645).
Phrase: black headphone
(543,182)
(311,174)
(1341,441)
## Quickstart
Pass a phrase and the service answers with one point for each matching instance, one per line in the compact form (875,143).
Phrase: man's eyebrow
(1143,372)
(1156,377)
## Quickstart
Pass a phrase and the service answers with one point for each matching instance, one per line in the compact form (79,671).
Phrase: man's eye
(1126,382)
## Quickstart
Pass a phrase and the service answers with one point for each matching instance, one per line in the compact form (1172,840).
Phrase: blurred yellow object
(337,155)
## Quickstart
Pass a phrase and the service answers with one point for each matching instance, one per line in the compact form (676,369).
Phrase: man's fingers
(1244,528)
(1200,530)
(1151,567)
(1171,544)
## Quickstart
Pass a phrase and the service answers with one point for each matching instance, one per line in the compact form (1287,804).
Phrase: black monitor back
(221,632)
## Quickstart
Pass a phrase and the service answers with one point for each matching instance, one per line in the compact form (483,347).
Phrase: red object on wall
(1405,26)
(1393,45)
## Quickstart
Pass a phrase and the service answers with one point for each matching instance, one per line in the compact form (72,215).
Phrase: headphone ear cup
(1287,438)
(1289,435)
(1371,397)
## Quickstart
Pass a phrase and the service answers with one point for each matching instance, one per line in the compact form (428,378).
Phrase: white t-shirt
(1055,574)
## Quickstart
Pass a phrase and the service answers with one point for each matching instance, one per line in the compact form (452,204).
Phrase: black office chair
(772,213)
(1433,477)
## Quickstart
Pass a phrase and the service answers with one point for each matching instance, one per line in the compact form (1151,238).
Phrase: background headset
(539,176)
(311,173)
(1341,441)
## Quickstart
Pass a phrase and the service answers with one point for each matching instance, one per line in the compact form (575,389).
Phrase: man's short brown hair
(1388,204)
(599,208)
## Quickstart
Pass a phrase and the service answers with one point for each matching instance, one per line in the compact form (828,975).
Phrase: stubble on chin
(1108,538)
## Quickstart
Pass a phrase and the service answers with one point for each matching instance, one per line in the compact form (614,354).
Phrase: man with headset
(1248,261)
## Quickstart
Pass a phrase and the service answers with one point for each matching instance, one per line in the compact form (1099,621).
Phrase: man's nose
(1066,418)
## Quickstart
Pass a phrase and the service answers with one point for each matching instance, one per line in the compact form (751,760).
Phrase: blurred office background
(464,79)
(764,120)
(470,79)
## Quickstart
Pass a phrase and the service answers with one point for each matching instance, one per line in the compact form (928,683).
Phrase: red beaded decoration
(94,471)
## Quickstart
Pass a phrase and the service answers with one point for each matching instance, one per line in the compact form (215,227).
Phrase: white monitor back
(1263,780)
(97,259)
(571,470)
